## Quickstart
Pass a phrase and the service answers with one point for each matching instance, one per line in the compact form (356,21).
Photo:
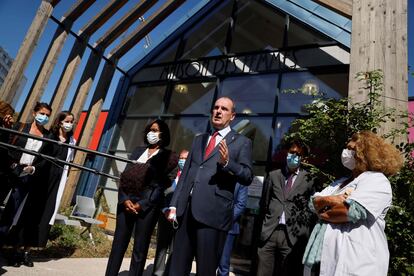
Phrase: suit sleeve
(241,166)
(240,202)
(267,190)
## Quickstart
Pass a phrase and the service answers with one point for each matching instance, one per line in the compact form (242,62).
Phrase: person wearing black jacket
(23,183)
(42,202)
(140,194)
(6,121)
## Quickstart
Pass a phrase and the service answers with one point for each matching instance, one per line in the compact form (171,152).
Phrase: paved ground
(72,267)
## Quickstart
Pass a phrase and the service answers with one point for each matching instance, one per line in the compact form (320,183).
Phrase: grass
(67,242)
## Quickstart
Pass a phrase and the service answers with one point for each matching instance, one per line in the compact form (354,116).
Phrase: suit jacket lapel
(230,137)
(203,145)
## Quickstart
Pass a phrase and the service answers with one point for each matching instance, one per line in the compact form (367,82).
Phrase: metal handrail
(15,132)
(57,160)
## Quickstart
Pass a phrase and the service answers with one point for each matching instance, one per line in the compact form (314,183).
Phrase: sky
(17,15)
(20,13)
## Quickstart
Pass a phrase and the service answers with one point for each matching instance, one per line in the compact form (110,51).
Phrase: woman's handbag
(135,178)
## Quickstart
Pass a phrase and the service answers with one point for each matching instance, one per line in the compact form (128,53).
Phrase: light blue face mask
(181,163)
(42,119)
(293,161)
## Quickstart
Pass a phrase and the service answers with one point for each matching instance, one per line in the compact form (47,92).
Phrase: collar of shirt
(221,134)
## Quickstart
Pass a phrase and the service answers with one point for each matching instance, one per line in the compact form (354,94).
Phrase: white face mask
(348,159)
(153,137)
(66,127)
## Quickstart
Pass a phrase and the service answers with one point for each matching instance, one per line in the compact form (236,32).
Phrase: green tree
(326,130)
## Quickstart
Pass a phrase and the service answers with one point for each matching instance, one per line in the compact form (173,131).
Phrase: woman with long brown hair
(350,237)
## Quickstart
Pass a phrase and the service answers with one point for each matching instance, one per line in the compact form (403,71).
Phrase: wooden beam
(92,65)
(15,74)
(54,2)
(379,41)
(78,49)
(343,7)
(102,17)
(89,127)
(85,84)
(124,23)
(144,28)
(77,10)
(49,62)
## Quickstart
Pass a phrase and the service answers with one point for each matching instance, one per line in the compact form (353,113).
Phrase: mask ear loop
(175,224)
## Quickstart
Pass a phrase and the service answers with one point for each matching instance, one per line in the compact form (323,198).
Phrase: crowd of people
(197,197)
(32,186)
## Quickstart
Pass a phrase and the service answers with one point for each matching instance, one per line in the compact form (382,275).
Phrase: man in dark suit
(240,202)
(287,218)
(165,230)
(203,200)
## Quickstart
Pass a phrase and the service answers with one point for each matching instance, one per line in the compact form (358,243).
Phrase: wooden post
(106,77)
(85,83)
(49,62)
(78,49)
(13,78)
(44,73)
(379,41)
(89,127)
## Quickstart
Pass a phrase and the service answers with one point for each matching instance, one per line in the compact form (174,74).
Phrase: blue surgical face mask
(42,119)
(181,163)
(293,161)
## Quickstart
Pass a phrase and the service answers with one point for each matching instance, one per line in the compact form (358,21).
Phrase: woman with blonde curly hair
(349,238)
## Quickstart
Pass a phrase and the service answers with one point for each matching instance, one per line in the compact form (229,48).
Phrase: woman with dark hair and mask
(23,181)
(349,238)
(140,194)
(38,214)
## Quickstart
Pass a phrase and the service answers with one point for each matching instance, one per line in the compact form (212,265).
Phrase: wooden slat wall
(379,41)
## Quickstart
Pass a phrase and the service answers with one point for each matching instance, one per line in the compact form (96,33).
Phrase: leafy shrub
(326,130)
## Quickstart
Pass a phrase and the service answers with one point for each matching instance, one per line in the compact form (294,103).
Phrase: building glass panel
(168,55)
(295,86)
(259,130)
(299,34)
(257,28)
(209,36)
(145,100)
(192,98)
(184,129)
(252,94)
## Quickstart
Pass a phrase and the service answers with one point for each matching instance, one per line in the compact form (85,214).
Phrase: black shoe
(16,260)
(27,260)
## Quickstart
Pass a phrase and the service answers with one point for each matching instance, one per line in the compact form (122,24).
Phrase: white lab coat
(62,183)
(359,248)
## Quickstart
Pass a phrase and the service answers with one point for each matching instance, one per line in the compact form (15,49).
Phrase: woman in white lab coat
(350,237)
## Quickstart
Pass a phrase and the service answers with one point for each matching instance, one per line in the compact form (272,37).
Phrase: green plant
(326,130)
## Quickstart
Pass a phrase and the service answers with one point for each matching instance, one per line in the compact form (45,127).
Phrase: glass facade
(248,51)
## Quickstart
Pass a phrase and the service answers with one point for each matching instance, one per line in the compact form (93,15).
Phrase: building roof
(318,17)
(314,15)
